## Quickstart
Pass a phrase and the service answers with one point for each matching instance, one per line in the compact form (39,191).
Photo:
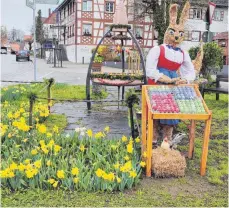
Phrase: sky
(15,14)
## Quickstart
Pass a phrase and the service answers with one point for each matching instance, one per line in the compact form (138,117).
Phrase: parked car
(3,50)
(22,55)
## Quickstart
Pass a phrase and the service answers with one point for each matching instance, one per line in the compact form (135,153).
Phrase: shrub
(117,59)
(212,60)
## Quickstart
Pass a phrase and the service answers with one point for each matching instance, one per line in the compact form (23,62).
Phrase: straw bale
(168,163)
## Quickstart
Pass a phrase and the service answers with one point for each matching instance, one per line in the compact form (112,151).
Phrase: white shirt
(186,70)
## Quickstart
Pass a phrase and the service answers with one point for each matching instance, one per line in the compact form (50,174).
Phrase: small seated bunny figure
(163,62)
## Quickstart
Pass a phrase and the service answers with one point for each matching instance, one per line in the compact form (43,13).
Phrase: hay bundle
(168,163)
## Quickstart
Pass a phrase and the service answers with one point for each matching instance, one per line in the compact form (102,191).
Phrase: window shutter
(191,13)
(221,15)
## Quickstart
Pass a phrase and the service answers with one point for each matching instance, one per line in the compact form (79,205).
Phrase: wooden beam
(191,138)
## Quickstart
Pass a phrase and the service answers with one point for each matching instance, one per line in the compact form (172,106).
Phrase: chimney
(49,11)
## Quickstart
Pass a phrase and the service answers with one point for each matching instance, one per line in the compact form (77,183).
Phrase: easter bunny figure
(163,62)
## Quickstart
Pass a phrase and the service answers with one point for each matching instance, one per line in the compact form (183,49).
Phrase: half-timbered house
(84,22)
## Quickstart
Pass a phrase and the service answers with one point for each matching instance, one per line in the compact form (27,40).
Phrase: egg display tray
(175,99)
(176,102)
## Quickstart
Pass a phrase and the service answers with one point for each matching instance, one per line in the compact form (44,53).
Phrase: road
(24,71)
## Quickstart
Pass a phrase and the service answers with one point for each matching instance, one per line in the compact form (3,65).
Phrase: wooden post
(149,145)
(31,113)
(191,138)
(49,97)
(205,146)
(144,107)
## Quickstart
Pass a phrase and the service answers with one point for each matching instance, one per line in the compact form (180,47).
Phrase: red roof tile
(28,38)
(51,19)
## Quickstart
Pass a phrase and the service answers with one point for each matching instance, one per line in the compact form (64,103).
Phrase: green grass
(58,91)
(187,192)
(56,120)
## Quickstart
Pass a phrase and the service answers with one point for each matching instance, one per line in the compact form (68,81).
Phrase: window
(218,15)
(222,44)
(73,30)
(195,13)
(64,12)
(109,7)
(87,5)
(187,35)
(87,29)
(139,33)
(195,36)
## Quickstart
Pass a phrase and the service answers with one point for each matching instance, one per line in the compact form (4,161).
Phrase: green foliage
(131,98)
(98,59)
(212,60)
(121,76)
(39,29)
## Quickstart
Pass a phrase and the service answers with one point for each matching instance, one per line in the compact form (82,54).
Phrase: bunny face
(174,34)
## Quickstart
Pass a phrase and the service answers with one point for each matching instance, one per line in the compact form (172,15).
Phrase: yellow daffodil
(60,174)
(25,140)
(99,135)
(126,167)
(10,115)
(126,157)
(142,164)
(124,138)
(48,163)
(116,166)
(41,128)
(57,148)
(22,110)
(13,166)
(118,179)
(21,167)
(55,184)
(137,140)
(51,180)
(144,154)
(75,180)
(82,148)
(107,129)
(37,163)
(49,135)
(89,132)
(99,172)
(55,129)
(51,143)
(129,148)
(27,161)
(42,142)
(133,174)
(34,152)
(75,171)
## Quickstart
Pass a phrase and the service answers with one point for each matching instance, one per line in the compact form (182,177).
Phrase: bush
(212,60)
(117,59)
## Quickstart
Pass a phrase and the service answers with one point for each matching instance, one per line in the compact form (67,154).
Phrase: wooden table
(147,120)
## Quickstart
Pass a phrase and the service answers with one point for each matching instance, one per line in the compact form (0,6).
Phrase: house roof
(51,19)
(221,36)
(28,38)
(62,4)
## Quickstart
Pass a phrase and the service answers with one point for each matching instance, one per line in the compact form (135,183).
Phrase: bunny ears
(184,14)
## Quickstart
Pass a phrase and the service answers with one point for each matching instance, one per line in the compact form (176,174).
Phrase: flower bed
(45,158)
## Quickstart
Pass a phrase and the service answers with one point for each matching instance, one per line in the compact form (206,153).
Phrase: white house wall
(84,51)
(220,26)
(71,53)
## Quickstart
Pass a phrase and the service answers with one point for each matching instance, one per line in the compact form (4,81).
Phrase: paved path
(98,118)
